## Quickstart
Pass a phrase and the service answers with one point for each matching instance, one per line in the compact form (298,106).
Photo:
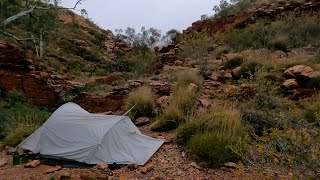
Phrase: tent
(74,134)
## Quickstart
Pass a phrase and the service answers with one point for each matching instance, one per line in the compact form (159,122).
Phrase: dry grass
(142,102)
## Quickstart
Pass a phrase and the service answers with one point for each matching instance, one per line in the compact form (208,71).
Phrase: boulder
(142,121)
(290,84)
(216,76)
(32,164)
(300,71)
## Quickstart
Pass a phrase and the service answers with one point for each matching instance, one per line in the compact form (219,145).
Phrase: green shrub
(16,97)
(142,103)
(19,119)
(182,105)
(248,70)
(278,44)
(212,148)
(296,150)
(233,63)
(313,83)
(207,136)
(312,114)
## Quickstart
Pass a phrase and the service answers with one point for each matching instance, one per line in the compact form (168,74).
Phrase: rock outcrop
(240,20)
(18,72)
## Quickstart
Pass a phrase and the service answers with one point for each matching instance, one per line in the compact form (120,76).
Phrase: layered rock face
(241,20)
(19,72)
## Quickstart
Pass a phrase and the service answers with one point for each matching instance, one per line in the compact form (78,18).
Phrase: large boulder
(300,71)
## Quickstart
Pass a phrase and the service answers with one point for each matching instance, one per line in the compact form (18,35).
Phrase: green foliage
(96,88)
(207,137)
(182,104)
(19,119)
(142,103)
(196,47)
(233,63)
(211,147)
(249,69)
(172,37)
(141,42)
(289,32)
(296,150)
(312,114)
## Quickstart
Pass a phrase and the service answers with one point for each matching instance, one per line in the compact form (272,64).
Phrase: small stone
(102,166)
(183,154)
(231,165)
(3,162)
(10,150)
(133,166)
(53,169)
(193,164)
(216,76)
(227,75)
(205,102)
(32,164)
(142,121)
(291,84)
(64,175)
(146,168)
(192,87)
(179,172)
(236,71)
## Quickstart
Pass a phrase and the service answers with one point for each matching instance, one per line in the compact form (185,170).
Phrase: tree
(37,17)
(173,36)
(142,41)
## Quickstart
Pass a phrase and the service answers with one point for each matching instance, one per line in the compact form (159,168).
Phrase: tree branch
(16,38)
(27,12)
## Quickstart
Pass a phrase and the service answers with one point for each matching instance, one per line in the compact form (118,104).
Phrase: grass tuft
(141,100)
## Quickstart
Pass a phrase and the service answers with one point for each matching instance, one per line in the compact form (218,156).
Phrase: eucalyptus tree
(36,17)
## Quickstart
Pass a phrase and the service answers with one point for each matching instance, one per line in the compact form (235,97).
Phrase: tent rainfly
(75,134)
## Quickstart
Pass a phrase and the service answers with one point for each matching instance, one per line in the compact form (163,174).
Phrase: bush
(312,114)
(248,70)
(212,148)
(207,137)
(20,119)
(296,150)
(182,104)
(142,103)
(233,63)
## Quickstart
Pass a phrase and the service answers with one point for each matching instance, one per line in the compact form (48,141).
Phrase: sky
(160,14)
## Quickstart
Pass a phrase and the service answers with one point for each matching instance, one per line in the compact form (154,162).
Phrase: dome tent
(75,134)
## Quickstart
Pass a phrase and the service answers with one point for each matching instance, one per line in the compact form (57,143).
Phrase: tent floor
(66,163)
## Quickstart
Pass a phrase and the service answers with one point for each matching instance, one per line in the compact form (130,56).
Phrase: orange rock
(32,164)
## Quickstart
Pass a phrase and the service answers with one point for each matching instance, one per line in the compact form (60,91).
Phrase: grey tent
(75,134)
